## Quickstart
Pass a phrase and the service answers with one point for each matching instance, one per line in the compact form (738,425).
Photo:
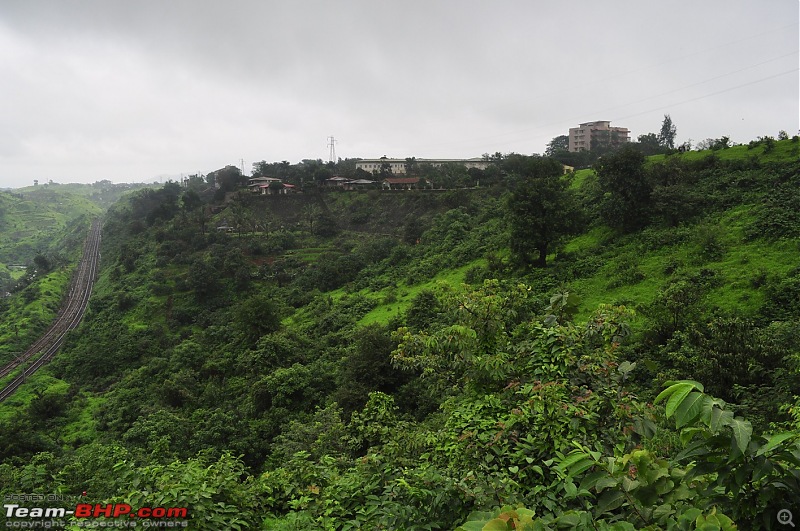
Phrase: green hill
(395,360)
(41,235)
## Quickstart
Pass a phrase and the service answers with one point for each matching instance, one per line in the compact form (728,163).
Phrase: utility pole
(332,145)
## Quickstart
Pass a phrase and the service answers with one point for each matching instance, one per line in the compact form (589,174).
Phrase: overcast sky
(133,90)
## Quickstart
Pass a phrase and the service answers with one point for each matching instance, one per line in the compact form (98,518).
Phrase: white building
(398,166)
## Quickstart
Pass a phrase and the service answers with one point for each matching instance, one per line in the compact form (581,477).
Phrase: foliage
(233,364)
(559,143)
(625,203)
(724,474)
(541,209)
(666,137)
(778,214)
(210,490)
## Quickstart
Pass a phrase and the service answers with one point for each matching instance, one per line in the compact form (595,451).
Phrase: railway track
(69,316)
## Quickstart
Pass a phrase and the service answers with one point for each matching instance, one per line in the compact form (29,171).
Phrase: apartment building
(590,135)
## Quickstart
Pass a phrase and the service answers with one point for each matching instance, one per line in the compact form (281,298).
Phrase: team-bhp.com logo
(96,510)
(115,510)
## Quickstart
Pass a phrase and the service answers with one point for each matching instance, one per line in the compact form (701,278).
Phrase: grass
(589,241)
(579,177)
(783,150)
(739,266)
(35,220)
(633,270)
(310,254)
(81,424)
(406,294)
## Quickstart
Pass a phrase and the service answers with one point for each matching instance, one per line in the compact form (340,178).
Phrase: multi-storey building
(591,135)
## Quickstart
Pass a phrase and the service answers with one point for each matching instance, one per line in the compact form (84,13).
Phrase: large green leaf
(696,449)
(719,417)
(742,431)
(677,391)
(776,440)
(573,457)
(610,500)
(677,398)
(690,408)
(471,526)
(496,525)
(569,520)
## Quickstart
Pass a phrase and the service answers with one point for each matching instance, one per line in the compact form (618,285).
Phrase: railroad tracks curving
(69,316)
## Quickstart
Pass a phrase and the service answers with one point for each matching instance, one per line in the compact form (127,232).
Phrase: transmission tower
(332,145)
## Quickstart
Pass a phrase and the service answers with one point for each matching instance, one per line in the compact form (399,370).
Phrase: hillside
(34,222)
(400,360)
(41,234)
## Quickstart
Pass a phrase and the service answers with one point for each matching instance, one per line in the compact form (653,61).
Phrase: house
(359,184)
(400,183)
(589,135)
(262,180)
(336,181)
(260,185)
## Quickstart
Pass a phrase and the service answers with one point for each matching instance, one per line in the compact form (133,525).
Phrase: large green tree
(650,144)
(229,178)
(625,188)
(559,143)
(541,208)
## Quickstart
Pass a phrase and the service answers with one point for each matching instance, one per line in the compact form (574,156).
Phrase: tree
(625,188)
(240,215)
(412,167)
(650,144)
(229,178)
(261,169)
(42,263)
(559,143)
(202,216)
(714,144)
(368,368)
(195,182)
(541,210)
(190,201)
(257,316)
(311,213)
(386,167)
(667,135)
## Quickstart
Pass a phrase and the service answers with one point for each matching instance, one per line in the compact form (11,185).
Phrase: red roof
(401,180)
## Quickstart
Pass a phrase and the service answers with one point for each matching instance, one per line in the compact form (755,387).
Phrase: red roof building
(400,183)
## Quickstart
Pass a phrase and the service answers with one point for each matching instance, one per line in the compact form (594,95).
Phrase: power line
(710,94)
(698,83)
(578,119)
(616,76)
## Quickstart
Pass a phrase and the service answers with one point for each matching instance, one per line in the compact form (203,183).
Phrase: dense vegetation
(615,348)
(42,229)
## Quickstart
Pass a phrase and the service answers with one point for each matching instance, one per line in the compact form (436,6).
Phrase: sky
(137,91)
